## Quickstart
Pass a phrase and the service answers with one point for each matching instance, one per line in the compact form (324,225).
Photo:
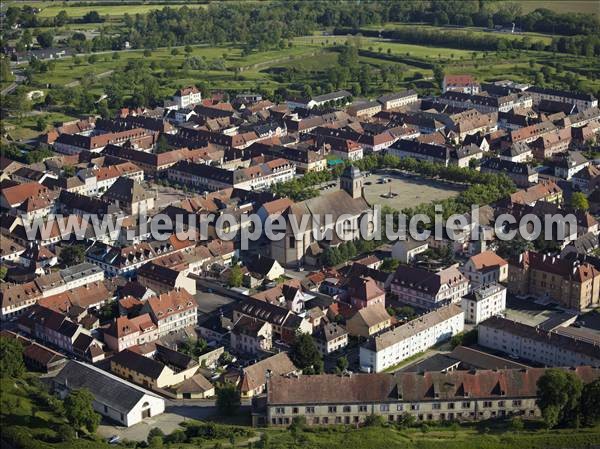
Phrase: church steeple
(352,181)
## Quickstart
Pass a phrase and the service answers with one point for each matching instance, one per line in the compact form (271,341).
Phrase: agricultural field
(562,6)
(51,9)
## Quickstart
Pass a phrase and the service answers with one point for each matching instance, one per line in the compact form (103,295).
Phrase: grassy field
(51,9)
(562,6)
(546,39)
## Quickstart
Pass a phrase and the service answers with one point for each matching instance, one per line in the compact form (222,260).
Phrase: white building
(397,100)
(114,398)
(187,96)
(484,302)
(406,250)
(485,268)
(561,346)
(429,289)
(392,347)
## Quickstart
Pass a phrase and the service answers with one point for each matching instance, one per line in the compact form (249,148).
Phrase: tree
(374,420)
(438,75)
(41,123)
(590,403)
(3,272)
(11,358)
(45,39)
(162,144)
(228,399)
(155,437)
(558,393)
(80,412)
(579,201)
(389,264)
(342,364)
(235,276)
(72,255)
(305,354)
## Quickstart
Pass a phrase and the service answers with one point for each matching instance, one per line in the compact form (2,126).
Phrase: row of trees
(566,401)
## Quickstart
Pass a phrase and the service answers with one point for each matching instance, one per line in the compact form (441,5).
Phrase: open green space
(561,6)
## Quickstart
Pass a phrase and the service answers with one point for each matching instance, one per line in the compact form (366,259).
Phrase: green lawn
(546,39)
(110,11)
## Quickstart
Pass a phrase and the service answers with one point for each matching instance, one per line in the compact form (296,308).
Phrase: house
(397,100)
(17,298)
(369,321)
(516,152)
(172,311)
(37,357)
(407,249)
(319,100)
(153,373)
(432,396)
(13,196)
(460,83)
(130,196)
(364,292)
(390,348)
(428,289)
(59,331)
(251,336)
(364,109)
(286,324)
(254,377)
(289,295)
(547,191)
(114,398)
(329,337)
(485,268)
(562,346)
(187,96)
(567,165)
(587,179)
(522,174)
(162,279)
(124,332)
(581,100)
(483,302)
(421,151)
(571,284)
(265,267)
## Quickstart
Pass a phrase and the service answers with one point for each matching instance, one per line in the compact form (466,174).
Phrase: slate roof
(107,388)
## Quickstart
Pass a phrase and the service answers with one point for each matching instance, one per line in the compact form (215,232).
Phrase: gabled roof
(107,388)
(255,375)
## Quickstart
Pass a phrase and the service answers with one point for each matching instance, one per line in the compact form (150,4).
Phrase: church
(296,247)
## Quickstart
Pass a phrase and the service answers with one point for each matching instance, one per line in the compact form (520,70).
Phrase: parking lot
(405,190)
(165,195)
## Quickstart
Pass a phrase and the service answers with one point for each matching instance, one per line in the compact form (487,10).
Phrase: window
(487,404)
(517,403)
(414,406)
(437,406)
(310,410)
(295,410)
(338,419)
(325,420)
(501,404)
(292,241)
(346,409)
(466,404)
(362,408)
(316,420)
(280,410)
(384,408)
(450,405)
(332,409)
(400,407)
